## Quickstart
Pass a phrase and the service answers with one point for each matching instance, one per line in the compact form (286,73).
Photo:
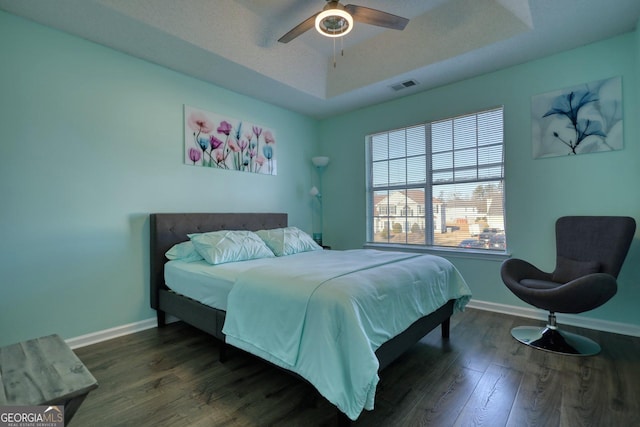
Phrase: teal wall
(537,191)
(637,56)
(91,142)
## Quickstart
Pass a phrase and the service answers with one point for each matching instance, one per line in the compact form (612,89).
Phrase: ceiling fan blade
(376,17)
(301,28)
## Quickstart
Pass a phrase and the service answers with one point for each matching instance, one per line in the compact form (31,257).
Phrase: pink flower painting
(219,142)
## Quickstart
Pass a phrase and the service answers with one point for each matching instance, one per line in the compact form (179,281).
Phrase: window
(439,183)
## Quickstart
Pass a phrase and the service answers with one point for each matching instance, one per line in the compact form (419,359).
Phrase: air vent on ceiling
(404,85)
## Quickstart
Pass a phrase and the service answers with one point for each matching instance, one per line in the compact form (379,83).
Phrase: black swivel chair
(590,251)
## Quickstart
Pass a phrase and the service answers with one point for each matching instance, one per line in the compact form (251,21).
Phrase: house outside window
(438,184)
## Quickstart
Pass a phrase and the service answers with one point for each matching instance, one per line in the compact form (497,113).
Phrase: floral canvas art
(216,141)
(582,119)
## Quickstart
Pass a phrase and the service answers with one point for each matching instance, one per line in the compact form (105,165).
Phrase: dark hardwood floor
(480,376)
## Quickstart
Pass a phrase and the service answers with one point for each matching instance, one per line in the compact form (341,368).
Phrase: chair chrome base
(555,340)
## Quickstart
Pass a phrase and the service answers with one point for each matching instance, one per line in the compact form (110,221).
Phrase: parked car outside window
(488,233)
(498,242)
(472,244)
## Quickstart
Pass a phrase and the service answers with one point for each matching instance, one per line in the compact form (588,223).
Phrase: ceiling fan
(336,20)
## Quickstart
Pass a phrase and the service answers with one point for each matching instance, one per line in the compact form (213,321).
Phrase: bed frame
(167,229)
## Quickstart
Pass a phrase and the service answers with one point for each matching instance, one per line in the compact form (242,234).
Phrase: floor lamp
(320,162)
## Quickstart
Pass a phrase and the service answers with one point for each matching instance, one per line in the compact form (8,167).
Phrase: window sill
(443,252)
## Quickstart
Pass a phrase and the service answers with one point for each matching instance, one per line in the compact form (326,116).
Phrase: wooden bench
(44,371)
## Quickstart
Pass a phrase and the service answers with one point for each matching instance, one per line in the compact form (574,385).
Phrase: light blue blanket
(323,314)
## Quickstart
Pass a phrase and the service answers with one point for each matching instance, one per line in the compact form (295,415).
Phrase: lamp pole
(320,162)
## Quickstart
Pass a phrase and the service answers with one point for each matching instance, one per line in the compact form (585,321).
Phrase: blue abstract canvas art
(582,119)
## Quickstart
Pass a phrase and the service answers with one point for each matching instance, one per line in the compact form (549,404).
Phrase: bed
(169,229)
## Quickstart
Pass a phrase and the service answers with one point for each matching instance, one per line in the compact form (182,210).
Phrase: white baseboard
(118,331)
(567,319)
(107,334)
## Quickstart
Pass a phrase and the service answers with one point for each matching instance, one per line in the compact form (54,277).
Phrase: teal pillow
(288,241)
(219,247)
(184,251)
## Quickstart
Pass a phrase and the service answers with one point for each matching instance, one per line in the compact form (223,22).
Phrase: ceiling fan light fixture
(334,22)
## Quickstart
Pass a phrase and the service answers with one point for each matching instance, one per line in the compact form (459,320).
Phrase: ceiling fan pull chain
(334,53)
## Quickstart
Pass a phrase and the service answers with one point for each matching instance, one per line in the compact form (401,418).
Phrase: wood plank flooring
(481,376)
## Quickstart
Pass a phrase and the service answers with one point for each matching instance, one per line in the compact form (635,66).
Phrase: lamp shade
(320,161)
(314,191)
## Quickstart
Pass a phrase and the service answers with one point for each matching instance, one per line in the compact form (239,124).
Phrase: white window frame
(486,167)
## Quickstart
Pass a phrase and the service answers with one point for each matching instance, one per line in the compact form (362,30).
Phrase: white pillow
(219,247)
(288,241)
(184,251)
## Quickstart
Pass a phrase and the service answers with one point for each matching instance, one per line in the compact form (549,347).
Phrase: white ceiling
(233,43)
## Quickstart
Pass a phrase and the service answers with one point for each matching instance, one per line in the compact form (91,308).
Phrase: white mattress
(206,283)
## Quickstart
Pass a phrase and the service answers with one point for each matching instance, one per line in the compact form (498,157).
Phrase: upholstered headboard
(167,229)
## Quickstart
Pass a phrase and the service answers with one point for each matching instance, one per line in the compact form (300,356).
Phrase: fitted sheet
(206,283)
